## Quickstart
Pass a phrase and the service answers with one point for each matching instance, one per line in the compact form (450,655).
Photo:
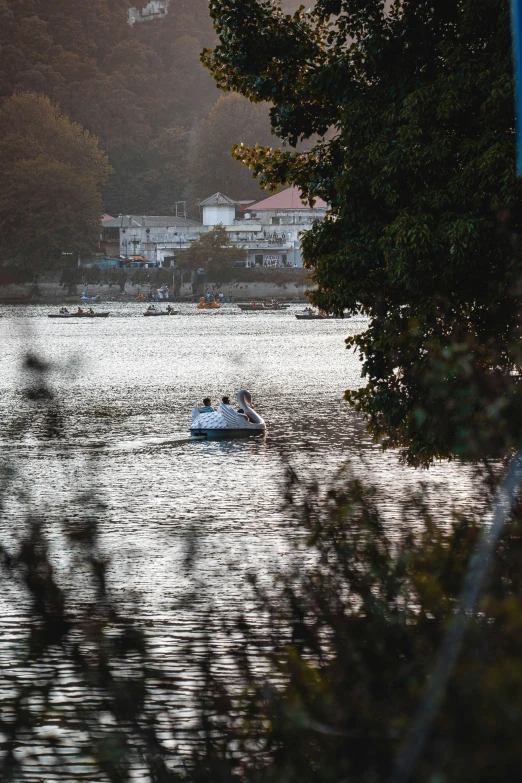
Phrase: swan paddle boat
(225,422)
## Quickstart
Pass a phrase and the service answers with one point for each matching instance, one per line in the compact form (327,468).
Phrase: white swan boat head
(226,422)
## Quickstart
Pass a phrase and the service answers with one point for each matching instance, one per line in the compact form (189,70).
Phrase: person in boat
(151,308)
(207,406)
(90,311)
(64,311)
(254,303)
(80,311)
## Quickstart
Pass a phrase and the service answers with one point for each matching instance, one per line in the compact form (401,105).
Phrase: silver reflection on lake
(126,386)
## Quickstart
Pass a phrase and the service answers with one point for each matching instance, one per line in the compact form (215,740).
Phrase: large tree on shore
(421,180)
(51,171)
(212,252)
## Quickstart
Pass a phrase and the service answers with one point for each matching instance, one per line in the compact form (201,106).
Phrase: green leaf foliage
(413,102)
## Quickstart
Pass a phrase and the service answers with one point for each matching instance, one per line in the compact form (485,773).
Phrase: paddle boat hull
(226,434)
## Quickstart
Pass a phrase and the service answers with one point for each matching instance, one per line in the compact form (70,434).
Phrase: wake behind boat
(225,422)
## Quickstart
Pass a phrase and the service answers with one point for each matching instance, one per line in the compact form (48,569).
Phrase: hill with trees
(141,90)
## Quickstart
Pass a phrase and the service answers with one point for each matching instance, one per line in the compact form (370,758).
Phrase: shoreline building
(269,230)
(279,221)
(155,237)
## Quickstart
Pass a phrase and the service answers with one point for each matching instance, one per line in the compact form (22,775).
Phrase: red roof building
(287,199)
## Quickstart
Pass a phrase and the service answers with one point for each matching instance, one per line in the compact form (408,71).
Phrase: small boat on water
(151,311)
(262,307)
(225,422)
(212,305)
(310,315)
(86,298)
(79,315)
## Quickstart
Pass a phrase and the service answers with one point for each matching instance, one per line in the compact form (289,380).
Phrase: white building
(157,238)
(218,209)
(155,9)
(269,230)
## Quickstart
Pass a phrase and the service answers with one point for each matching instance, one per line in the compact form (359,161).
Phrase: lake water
(126,386)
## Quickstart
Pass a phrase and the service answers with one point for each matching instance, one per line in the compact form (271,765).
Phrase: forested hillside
(142,90)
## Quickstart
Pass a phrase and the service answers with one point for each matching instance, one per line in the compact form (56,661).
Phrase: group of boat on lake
(153,310)
(79,313)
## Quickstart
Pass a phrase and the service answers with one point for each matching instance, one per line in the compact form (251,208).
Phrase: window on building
(259,260)
(284,259)
(276,221)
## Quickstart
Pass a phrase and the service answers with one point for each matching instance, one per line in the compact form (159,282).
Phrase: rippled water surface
(126,386)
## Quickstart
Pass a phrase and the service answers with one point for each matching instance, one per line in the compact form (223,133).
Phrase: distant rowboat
(79,315)
(158,312)
(262,308)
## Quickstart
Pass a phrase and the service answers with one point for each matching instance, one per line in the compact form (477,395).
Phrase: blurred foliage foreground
(327,692)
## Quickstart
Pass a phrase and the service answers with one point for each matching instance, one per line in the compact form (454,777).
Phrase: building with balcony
(271,229)
(154,237)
